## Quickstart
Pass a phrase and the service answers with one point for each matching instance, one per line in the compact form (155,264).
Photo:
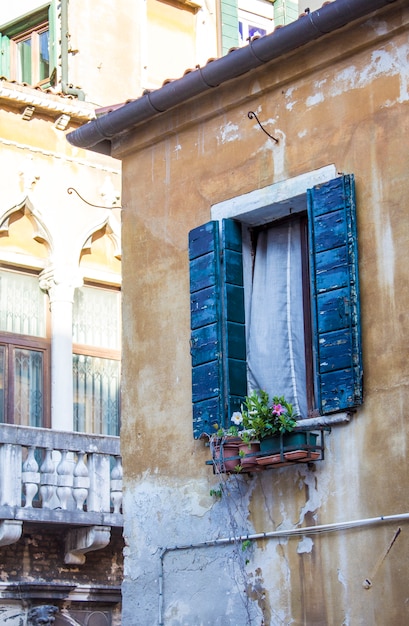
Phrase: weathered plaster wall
(118,50)
(38,167)
(342,100)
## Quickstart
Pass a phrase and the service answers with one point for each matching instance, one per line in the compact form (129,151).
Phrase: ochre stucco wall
(342,100)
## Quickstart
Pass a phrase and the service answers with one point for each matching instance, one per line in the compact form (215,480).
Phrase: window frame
(30,26)
(88,350)
(29,342)
(333,253)
(32,35)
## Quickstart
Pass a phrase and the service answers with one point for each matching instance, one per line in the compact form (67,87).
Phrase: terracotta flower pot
(222,454)
(249,462)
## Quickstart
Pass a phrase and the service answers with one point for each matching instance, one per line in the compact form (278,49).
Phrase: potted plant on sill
(272,422)
(224,447)
(268,421)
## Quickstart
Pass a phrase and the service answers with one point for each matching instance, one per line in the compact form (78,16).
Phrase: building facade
(61,64)
(301,127)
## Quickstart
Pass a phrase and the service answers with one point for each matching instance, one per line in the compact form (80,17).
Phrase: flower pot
(291,441)
(249,461)
(225,454)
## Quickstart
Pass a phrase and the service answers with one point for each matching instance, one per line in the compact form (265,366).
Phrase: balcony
(66,478)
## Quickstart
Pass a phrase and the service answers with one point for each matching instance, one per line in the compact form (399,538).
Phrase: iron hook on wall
(250,115)
(96,206)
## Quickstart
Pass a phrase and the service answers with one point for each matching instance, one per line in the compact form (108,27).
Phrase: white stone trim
(286,196)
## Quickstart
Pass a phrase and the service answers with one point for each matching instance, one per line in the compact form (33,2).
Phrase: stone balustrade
(60,477)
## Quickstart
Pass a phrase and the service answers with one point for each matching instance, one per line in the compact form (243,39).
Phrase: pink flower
(278,409)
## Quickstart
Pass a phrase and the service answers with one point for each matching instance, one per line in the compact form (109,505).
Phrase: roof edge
(97,134)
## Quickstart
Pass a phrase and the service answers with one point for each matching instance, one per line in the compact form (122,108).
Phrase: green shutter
(4,56)
(285,11)
(217,325)
(229,25)
(335,294)
(53,40)
(233,319)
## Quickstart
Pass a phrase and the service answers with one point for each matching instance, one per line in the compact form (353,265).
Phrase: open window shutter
(233,318)
(335,294)
(206,335)
(53,40)
(217,325)
(4,56)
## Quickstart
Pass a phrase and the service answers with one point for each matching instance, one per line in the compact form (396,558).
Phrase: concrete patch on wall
(384,62)
(228,132)
(305,545)
(183,523)
(288,95)
(390,61)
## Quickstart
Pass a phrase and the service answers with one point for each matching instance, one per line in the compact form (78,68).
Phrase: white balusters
(116,485)
(70,479)
(30,477)
(81,481)
(99,497)
(10,474)
(65,481)
(48,480)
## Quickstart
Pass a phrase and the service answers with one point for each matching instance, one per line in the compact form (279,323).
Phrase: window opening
(32,55)
(279,352)
(96,360)
(24,351)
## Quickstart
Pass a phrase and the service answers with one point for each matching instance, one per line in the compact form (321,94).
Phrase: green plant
(217,493)
(232,431)
(262,417)
(245,544)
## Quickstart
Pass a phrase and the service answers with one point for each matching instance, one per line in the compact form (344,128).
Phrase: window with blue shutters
(301,337)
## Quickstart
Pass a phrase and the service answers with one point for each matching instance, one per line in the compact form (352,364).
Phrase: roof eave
(97,134)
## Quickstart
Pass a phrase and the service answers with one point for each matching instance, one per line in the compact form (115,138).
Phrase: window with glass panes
(96,360)
(28,47)
(24,350)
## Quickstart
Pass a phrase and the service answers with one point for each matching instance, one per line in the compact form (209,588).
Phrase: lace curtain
(275,331)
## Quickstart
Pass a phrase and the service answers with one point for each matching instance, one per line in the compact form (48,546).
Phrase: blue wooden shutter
(234,333)
(217,325)
(335,294)
(205,341)
(4,56)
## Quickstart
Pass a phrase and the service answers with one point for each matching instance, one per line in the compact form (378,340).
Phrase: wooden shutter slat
(335,294)
(206,338)
(217,321)
(235,366)
(4,56)
(53,40)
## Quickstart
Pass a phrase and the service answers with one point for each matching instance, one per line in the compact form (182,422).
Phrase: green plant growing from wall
(216,493)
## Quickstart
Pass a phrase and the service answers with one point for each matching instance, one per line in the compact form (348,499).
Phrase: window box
(274,452)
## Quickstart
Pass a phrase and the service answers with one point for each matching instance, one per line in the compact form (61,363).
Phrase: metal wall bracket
(250,115)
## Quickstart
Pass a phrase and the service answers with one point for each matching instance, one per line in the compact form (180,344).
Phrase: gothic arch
(110,228)
(40,232)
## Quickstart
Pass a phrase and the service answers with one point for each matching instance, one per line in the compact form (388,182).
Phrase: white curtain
(275,332)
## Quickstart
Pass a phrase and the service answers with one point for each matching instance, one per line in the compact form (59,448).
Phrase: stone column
(60,284)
